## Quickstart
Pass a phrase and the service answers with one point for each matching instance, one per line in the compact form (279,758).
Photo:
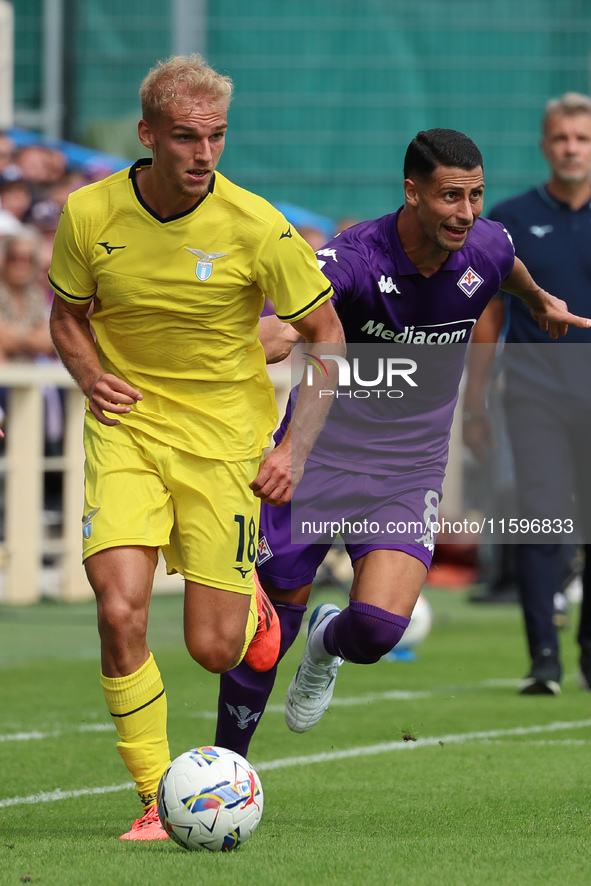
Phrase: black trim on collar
(147,161)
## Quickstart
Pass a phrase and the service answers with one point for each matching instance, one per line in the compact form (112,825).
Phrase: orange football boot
(263,651)
(148,827)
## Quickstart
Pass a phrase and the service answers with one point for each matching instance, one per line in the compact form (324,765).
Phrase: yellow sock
(137,704)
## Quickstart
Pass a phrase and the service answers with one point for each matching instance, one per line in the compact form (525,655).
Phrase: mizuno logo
(110,248)
(243,572)
(286,233)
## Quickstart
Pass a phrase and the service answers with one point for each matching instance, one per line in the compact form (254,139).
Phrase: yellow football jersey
(177,304)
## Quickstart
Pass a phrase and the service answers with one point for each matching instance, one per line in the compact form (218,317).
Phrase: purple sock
(362,633)
(244,693)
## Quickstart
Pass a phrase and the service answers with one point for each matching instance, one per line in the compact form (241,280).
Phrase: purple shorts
(368,512)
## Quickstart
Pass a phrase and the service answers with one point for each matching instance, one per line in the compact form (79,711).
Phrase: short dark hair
(440,147)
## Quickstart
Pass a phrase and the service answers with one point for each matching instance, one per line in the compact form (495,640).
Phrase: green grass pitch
(495,790)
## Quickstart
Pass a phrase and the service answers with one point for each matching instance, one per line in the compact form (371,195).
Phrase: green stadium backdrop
(329,92)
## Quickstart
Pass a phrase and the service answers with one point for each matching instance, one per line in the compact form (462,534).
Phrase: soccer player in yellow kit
(176,261)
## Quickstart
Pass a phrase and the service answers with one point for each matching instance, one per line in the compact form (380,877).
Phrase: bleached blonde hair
(180,77)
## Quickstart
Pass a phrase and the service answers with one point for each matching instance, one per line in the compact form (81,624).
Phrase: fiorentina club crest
(469,282)
(264,551)
(204,268)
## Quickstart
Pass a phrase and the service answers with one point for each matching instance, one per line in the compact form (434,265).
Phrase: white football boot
(310,691)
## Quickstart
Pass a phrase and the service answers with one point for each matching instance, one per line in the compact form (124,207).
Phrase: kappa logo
(87,523)
(264,551)
(110,248)
(427,540)
(469,282)
(243,714)
(330,253)
(541,230)
(387,285)
(204,268)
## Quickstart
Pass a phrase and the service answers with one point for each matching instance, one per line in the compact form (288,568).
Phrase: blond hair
(178,77)
(569,104)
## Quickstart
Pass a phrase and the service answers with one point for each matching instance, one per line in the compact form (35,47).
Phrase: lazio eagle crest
(205,261)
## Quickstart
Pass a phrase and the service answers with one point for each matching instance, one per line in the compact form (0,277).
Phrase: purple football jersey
(382,300)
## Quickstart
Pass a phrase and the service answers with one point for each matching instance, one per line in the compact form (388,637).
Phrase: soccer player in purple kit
(427,270)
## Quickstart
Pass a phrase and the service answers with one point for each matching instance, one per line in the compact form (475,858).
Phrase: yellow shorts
(199,511)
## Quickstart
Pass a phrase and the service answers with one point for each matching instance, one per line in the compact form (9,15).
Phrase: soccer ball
(210,798)
(419,627)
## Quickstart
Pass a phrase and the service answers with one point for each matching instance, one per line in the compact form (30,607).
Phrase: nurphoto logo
(389,372)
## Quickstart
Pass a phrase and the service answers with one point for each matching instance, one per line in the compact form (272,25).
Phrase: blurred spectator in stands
(9,225)
(313,236)
(16,197)
(346,222)
(59,191)
(7,151)
(39,165)
(56,166)
(24,325)
(24,329)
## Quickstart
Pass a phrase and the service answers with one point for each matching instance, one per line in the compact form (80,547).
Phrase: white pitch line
(36,736)
(51,796)
(390,695)
(562,742)
(359,752)
(346,702)
(387,747)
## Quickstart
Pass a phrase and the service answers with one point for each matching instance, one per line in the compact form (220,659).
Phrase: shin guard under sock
(137,704)
(244,693)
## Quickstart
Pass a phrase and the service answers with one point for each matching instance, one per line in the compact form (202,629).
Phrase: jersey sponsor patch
(264,551)
(469,282)
(432,334)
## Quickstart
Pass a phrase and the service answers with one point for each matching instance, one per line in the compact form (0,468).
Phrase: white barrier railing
(24,466)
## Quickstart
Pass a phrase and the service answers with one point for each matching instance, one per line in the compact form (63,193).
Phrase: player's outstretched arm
(549,312)
(282,469)
(477,430)
(74,342)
